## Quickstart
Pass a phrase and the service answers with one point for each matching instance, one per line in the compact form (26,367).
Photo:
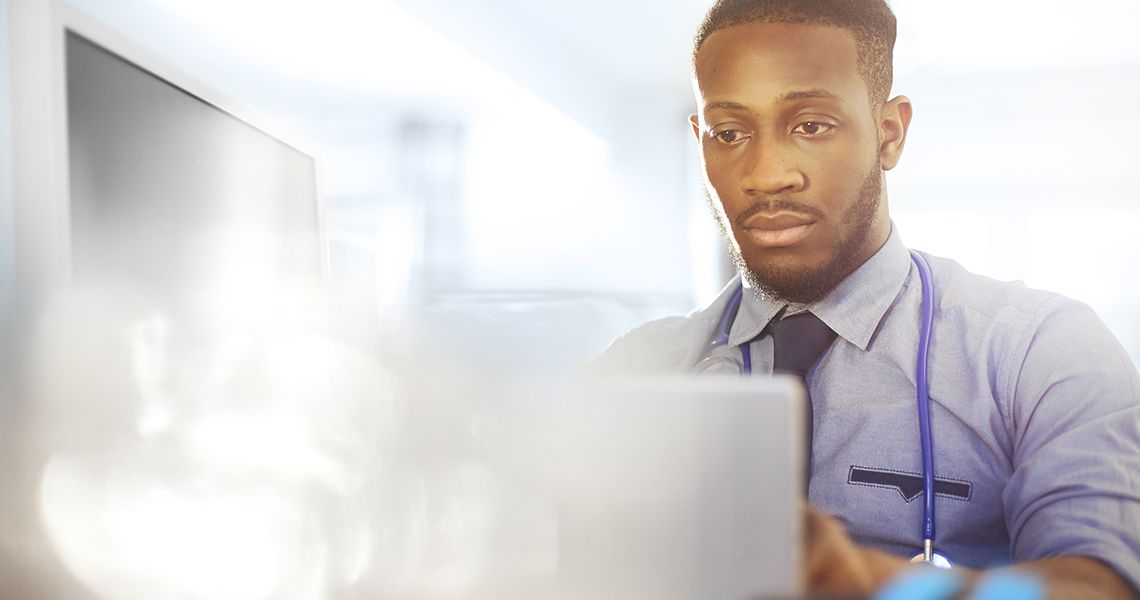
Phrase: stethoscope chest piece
(929,556)
(936,560)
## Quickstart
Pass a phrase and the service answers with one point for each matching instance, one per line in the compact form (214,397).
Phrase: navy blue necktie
(798,342)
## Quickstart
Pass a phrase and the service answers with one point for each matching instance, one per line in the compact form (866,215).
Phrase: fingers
(833,564)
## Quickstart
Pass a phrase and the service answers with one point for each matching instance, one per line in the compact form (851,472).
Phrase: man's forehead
(779,61)
(759,36)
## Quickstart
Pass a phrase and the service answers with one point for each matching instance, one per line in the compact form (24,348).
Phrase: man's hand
(836,566)
(1079,577)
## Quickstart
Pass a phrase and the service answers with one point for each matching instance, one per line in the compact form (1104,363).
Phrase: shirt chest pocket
(867,468)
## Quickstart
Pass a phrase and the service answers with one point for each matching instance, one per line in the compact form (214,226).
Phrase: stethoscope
(922,388)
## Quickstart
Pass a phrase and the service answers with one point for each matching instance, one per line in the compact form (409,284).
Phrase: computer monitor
(128,172)
(130,175)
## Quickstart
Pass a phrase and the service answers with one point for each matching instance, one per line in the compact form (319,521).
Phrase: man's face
(793,154)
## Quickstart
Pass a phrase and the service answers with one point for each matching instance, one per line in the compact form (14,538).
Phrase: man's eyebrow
(793,95)
(805,95)
(724,106)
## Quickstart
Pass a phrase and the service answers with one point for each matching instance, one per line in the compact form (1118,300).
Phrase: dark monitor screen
(170,193)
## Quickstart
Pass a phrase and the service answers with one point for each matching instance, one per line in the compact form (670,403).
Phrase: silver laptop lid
(667,488)
(648,488)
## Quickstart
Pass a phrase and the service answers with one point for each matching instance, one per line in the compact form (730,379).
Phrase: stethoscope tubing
(724,327)
(922,391)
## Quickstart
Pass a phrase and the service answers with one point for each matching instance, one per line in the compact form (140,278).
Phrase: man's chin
(789,282)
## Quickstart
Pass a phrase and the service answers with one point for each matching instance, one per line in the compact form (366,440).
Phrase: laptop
(656,489)
(646,488)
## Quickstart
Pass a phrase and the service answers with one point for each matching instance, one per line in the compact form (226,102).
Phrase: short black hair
(871,22)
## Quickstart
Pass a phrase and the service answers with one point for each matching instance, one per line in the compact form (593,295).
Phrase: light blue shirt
(1035,411)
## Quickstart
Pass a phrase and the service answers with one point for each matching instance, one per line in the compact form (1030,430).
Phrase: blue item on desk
(922,389)
(935,584)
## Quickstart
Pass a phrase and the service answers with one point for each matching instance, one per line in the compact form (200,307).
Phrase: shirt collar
(853,310)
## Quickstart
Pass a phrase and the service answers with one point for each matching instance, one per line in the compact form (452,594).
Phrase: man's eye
(813,128)
(730,136)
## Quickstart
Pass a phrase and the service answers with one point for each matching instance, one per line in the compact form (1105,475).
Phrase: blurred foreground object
(181,462)
(179,459)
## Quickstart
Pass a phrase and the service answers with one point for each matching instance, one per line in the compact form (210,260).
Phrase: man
(1035,407)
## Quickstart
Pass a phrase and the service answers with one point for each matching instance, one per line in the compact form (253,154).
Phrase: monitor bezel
(41,207)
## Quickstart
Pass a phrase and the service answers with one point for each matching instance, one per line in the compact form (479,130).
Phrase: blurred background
(507,186)
(518,179)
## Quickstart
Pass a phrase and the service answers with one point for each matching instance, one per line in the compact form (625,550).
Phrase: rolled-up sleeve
(1074,419)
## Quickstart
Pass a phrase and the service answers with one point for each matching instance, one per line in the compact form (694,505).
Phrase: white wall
(1020,160)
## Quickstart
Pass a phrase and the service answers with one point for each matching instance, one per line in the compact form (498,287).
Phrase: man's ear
(695,122)
(893,125)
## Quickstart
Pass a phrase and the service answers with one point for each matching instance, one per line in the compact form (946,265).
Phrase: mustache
(773,204)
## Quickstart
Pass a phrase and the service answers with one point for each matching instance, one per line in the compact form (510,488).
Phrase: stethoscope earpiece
(716,365)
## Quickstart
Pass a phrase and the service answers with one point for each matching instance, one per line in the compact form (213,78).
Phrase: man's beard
(806,284)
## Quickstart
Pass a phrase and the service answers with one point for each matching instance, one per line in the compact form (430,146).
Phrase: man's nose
(769,170)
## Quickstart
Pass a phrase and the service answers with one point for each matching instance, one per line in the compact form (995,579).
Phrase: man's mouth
(779,229)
